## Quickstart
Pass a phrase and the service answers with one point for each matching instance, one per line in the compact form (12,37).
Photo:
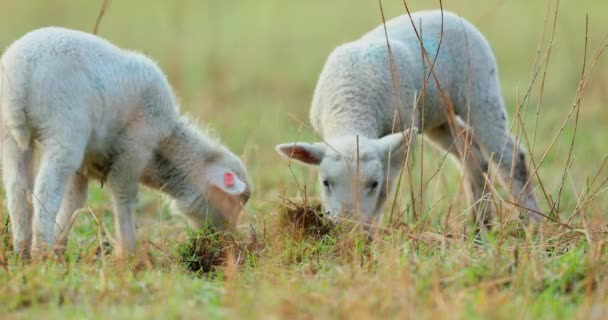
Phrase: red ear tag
(229,179)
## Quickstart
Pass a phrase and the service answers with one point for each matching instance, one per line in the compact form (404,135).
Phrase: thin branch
(104,7)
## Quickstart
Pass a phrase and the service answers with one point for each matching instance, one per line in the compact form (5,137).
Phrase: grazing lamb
(95,111)
(355,96)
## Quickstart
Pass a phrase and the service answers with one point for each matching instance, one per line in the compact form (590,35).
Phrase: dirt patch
(209,249)
(304,218)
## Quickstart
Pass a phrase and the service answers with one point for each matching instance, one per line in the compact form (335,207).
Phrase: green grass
(246,68)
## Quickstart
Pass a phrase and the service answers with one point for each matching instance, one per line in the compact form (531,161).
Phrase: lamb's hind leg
(490,130)
(473,164)
(74,199)
(17,180)
(58,163)
(514,175)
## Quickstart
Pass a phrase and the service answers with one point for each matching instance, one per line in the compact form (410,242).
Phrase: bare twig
(540,214)
(542,83)
(577,103)
(104,7)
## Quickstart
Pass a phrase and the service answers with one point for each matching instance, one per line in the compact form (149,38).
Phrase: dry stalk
(102,11)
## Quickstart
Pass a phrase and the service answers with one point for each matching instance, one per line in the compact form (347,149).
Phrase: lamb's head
(217,192)
(346,193)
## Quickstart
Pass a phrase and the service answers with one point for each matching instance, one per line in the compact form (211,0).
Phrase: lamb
(95,111)
(356,96)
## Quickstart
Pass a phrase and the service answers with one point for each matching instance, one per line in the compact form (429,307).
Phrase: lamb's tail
(12,102)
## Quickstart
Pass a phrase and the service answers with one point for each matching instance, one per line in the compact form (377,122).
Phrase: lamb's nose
(348,208)
(245,197)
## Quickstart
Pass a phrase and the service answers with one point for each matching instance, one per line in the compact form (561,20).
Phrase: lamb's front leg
(124,195)
(123,181)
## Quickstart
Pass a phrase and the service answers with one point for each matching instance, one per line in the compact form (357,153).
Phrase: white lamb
(95,111)
(355,96)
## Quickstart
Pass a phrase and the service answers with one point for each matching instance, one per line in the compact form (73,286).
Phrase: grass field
(248,69)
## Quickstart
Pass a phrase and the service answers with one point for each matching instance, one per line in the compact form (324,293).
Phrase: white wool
(357,94)
(101,112)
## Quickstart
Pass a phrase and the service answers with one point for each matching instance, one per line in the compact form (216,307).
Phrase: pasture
(247,70)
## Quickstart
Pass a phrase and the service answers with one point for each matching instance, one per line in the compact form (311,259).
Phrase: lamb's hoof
(531,217)
(42,253)
(23,254)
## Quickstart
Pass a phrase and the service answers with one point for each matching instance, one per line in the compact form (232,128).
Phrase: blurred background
(248,68)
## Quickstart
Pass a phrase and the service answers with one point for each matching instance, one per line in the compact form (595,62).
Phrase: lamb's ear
(227,181)
(396,143)
(304,152)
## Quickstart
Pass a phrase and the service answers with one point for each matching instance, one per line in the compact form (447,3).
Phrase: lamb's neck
(165,175)
(163,171)
(177,161)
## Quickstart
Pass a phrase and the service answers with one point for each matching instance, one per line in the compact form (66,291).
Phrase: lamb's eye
(326,183)
(373,185)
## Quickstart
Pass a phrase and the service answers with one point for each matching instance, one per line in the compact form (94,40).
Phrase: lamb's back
(54,73)
(441,36)
(57,63)
(463,52)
